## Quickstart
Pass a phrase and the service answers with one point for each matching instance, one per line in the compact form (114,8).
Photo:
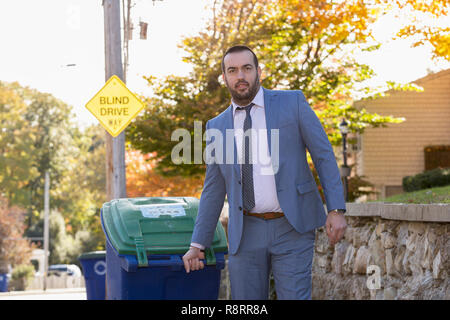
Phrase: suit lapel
(271,106)
(230,125)
(271,112)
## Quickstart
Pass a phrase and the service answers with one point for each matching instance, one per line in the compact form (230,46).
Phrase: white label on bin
(156,210)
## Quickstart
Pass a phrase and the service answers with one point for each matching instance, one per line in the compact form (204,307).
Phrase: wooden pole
(115,147)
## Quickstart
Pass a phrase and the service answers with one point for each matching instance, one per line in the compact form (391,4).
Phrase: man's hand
(192,259)
(336,226)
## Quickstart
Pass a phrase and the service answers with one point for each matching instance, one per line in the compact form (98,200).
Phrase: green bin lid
(92,255)
(154,225)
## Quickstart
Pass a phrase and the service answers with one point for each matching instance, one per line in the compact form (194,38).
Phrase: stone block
(371,209)
(337,261)
(405,263)
(416,227)
(398,260)
(377,256)
(348,234)
(321,243)
(390,267)
(361,260)
(400,211)
(389,293)
(439,212)
(388,240)
(347,265)
(437,265)
(402,234)
(381,227)
(322,261)
(361,236)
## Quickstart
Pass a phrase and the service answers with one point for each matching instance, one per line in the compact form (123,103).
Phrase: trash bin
(94,271)
(4,282)
(146,239)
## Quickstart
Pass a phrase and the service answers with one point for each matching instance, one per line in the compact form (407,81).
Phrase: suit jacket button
(240,208)
(239,181)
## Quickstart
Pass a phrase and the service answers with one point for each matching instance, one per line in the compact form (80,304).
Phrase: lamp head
(343,126)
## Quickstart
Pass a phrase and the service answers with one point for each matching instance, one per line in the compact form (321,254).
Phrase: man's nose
(240,74)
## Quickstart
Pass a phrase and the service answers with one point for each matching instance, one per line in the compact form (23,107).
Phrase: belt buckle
(265,216)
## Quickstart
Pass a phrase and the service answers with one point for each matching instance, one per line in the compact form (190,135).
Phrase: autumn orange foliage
(14,248)
(143,181)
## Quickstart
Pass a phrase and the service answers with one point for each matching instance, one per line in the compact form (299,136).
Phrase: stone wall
(389,251)
(405,248)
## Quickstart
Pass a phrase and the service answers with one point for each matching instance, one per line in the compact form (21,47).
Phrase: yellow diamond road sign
(115,106)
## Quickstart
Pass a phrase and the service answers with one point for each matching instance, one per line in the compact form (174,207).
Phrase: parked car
(68,269)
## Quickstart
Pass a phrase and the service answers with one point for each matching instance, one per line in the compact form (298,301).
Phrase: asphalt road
(50,294)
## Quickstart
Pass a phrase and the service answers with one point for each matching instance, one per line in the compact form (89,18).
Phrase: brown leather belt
(265,215)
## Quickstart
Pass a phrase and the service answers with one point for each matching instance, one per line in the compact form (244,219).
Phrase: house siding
(388,154)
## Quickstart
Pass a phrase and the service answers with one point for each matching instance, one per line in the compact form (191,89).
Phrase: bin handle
(134,231)
(174,260)
(140,251)
(140,248)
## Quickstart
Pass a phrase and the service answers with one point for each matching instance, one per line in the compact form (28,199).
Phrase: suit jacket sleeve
(322,154)
(211,202)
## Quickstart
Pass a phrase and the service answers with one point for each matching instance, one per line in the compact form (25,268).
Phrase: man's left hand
(336,226)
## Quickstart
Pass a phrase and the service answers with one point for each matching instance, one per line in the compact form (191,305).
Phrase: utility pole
(115,147)
(46,224)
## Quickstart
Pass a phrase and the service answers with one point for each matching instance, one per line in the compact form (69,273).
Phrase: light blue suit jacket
(299,198)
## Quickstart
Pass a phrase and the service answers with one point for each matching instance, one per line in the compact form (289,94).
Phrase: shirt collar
(258,100)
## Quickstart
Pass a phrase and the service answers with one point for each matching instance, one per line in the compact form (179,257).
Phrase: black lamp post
(345,170)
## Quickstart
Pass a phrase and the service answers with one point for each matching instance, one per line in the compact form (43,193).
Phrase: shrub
(21,276)
(357,187)
(428,179)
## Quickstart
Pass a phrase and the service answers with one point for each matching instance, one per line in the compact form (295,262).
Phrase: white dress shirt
(266,199)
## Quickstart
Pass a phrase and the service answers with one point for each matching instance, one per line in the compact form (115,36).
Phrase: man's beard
(245,98)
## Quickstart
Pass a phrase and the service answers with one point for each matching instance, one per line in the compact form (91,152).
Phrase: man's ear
(259,73)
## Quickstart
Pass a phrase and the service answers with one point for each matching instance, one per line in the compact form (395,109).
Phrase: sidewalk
(50,294)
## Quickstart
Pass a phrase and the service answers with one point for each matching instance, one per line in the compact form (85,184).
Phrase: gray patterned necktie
(248,192)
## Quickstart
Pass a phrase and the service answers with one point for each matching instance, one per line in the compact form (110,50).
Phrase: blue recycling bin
(94,271)
(4,282)
(145,241)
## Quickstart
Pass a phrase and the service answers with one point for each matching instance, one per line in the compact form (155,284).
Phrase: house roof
(426,78)
(433,76)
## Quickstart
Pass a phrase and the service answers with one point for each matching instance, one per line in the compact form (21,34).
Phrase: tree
(143,181)
(14,249)
(37,135)
(304,45)
(47,120)
(66,245)
(419,13)
(17,165)
(80,196)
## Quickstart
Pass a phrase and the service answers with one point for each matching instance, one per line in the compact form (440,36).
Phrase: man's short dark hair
(238,48)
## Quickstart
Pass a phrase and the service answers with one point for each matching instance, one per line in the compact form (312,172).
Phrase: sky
(40,38)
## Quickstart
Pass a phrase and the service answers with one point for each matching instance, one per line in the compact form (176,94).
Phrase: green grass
(425,196)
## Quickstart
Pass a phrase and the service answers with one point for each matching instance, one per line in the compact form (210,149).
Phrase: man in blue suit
(274,203)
